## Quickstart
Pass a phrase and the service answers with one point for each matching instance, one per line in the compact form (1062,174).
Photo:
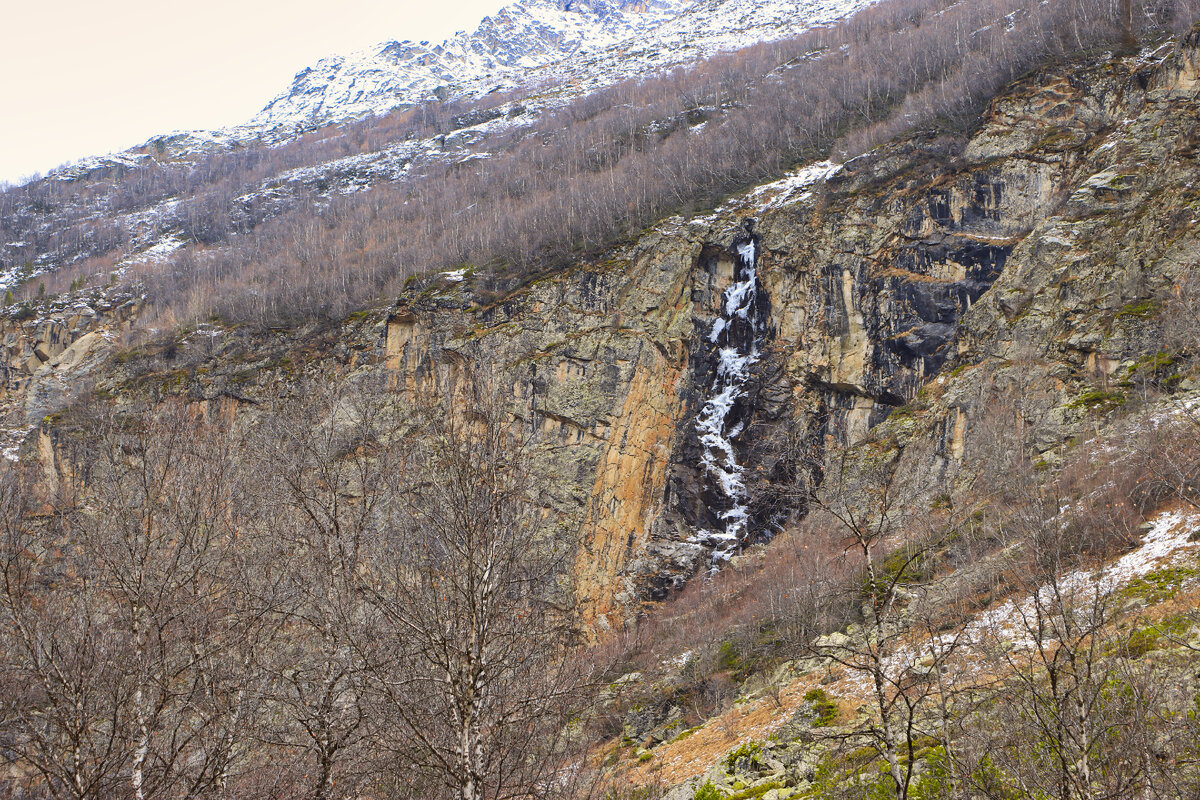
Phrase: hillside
(444,453)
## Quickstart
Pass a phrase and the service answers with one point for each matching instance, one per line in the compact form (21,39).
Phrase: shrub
(1098,400)
(824,706)
(1159,585)
(1138,309)
(747,754)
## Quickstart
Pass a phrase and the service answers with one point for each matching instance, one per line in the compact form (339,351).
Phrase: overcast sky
(81,77)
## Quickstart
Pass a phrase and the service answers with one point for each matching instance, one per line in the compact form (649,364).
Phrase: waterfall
(736,335)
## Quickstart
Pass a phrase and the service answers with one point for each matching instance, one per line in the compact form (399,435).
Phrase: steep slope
(894,299)
(183,193)
(925,268)
(939,311)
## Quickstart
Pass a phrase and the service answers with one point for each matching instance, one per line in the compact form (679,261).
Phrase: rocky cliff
(683,384)
(902,294)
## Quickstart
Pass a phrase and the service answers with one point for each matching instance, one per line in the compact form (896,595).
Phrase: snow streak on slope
(737,334)
(1170,540)
(1026,625)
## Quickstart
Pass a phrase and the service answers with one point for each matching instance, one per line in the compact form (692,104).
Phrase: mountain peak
(587,44)
(517,38)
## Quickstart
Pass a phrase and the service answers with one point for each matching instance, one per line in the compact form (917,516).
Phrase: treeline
(607,165)
(357,598)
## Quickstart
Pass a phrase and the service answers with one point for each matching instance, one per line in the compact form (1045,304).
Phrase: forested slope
(816,422)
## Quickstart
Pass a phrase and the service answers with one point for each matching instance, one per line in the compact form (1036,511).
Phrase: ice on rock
(718,326)
(715,430)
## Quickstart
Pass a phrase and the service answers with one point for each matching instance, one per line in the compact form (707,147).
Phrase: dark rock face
(927,312)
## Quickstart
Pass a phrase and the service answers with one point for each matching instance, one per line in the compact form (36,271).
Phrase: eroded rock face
(48,361)
(931,275)
(597,363)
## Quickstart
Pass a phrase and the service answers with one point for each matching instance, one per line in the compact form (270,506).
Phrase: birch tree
(66,701)
(864,506)
(322,463)
(470,623)
(116,606)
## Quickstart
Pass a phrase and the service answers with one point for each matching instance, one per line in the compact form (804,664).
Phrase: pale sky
(86,77)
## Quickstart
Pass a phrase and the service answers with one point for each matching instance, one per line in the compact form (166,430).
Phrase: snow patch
(1168,541)
(10,442)
(783,191)
(793,188)
(575,48)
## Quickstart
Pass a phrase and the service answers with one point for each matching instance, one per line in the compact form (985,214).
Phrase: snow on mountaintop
(526,34)
(549,52)
(581,45)
(555,50)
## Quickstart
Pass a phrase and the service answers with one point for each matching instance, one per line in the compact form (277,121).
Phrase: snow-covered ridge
(578,45)
(496,55)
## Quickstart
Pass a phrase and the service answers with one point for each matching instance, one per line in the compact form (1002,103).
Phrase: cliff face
(598,361)
(931,276)
(683,386)
(46,363)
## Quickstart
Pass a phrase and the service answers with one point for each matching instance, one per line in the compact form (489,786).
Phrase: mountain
(498,53)
(547,54)
(579,46)
(834,401)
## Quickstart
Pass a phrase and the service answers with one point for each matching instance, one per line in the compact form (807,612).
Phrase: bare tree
(1070,715)
(898,649)
(66,708)
(117,610)
(323,464)
(471,628)
(155,522)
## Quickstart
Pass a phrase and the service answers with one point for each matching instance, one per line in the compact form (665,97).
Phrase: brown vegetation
(1073,689)
(350,599)
(599,169)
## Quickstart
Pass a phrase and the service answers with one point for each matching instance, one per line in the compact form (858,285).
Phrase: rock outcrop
(904,294)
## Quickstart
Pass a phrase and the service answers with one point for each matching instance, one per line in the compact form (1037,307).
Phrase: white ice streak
(718,455)
(717,327)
